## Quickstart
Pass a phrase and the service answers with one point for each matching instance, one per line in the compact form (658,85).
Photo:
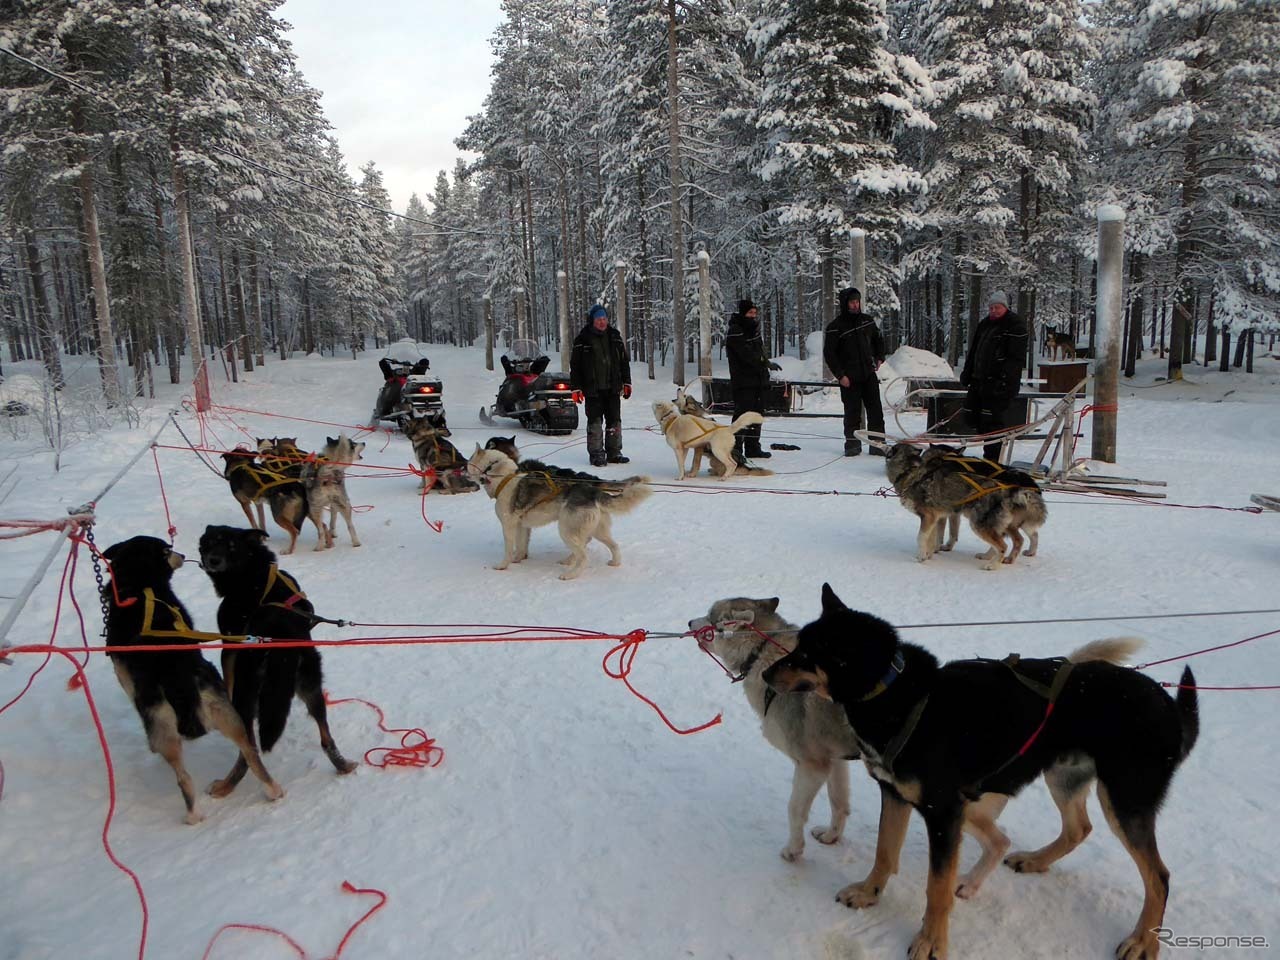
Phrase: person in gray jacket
(853,348)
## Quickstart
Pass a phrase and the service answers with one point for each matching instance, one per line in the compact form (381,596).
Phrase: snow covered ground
(566,821)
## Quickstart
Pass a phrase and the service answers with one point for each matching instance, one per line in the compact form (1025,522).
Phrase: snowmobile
(408,390)
(541,400)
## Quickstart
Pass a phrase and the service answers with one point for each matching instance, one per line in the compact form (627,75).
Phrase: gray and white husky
(533,494)
(326,483)
(813,732)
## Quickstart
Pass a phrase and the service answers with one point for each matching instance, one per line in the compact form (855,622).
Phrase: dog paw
(220,789)
(991,565)
(1138,946)
(791,853)
(827,835)
(946,547)
(615,563)
(355,543)
(1024,861)
(273,790)
(1007,560)
(859,895)
(927,947)
(193,817)
(344,766)
(501,566)
(568,576)
(968,888)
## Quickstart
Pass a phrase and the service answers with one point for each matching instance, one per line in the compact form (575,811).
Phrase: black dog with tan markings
(261,600)
(956,741)
(179,695)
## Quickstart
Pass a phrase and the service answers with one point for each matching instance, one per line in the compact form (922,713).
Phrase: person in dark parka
(853,348)
(749,367)
(993,369)
(600,370)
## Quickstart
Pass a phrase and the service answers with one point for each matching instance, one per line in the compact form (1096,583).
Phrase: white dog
(684,431)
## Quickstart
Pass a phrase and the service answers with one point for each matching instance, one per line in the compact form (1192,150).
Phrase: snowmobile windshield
(525,350)
(404,351)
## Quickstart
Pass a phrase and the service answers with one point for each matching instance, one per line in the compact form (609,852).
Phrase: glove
(578,396)
(774,366)
(626,391)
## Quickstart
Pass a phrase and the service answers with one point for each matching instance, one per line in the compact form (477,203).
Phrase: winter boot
(595,442)
(852,446)
(876,451)
(751,443)
(613,445)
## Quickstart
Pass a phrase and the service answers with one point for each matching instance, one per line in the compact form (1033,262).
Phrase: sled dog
(506,444)
(1060,344)
(531,494)
(811,731)
(686,404)
(179,695)
(687,432)
(429,436)
(283,461)
(261,600)
(957,740)
(325,480)
(996,500)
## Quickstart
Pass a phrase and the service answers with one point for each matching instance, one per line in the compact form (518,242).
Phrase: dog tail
(748,419)
(627,494)
(1114,650)
(1188,711)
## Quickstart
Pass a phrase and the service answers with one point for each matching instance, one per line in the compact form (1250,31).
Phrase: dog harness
(264,478)
(669,421)
(1050,692)
(972,477)
(278,578)
(180,629)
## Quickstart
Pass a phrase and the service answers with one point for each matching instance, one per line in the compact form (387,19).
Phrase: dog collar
(895,670)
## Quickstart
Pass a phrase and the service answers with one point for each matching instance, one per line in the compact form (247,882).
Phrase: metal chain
(97,576)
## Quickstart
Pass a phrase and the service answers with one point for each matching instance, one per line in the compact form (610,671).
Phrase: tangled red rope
(416,748)
(625,652)
(347,887)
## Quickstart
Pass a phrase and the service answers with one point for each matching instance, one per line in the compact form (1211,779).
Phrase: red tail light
(426,389)
(562,386)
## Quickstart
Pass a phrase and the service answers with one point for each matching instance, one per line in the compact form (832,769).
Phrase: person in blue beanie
(600,371)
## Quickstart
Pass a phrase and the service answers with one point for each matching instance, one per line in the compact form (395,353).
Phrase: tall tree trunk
(957,333)
(677,188)
(801,347)
(255,303)
(44,326)
(242,323)
(1210,338)
(97,268)
(190,314)
(1134,330)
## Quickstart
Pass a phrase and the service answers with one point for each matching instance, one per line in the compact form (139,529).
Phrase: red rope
(347,887)
(361,428)
(1196,653)
(168,518)
(626,655)
(416,748)
(429,478)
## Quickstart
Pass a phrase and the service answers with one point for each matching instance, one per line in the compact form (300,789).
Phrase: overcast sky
(399,79)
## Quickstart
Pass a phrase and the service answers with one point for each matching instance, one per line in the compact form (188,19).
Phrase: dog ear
(771,604)
(477,449)
(746,616)
(830,602)
(355,450)
(331,440)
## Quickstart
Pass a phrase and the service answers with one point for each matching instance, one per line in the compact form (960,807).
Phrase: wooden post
(521,332)
(488,332)
(704,313)
(1110,311)
(620,301)
(566,344)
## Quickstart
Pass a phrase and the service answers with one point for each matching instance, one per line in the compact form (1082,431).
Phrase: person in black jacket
(993,369)
(749,367)
(853,348)
(600,370)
